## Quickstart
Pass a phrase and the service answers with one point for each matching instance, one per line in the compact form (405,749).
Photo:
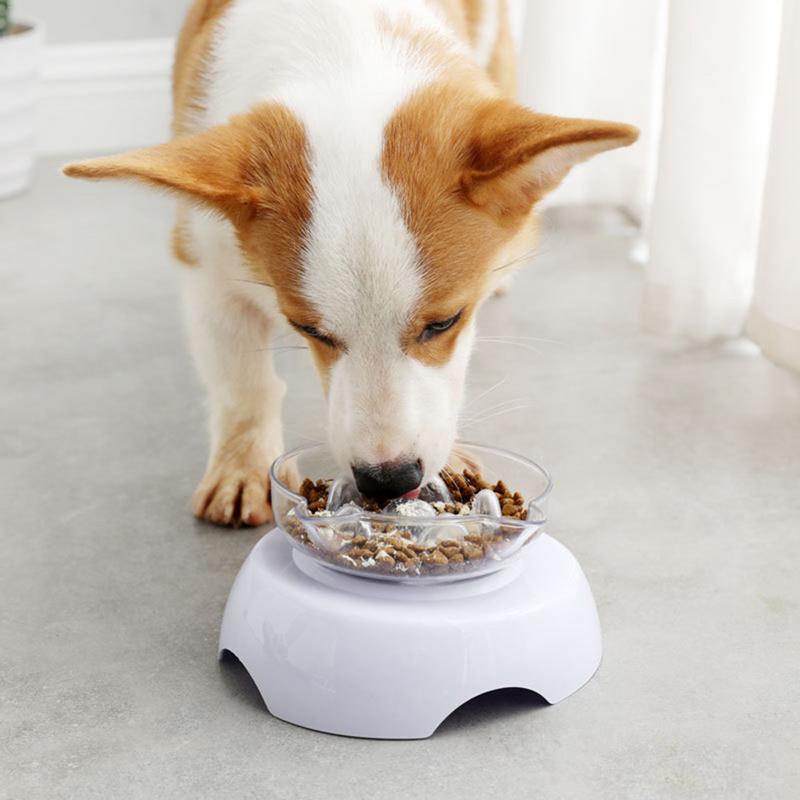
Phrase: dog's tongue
(412,495)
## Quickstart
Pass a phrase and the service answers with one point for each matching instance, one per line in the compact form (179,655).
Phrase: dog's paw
(235,490)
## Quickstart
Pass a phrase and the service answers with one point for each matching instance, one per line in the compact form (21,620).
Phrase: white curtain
(715,86)
(774,319)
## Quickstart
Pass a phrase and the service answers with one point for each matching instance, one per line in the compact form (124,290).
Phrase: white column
(703,231)
(774,321)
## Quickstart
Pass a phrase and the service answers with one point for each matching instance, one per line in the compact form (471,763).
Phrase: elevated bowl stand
(361,657)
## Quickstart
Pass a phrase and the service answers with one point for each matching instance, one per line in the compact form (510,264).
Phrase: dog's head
(380,247)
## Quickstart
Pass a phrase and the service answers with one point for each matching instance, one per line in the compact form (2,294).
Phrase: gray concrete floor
(676,474)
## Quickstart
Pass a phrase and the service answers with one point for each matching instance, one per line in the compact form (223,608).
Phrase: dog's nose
(388,480)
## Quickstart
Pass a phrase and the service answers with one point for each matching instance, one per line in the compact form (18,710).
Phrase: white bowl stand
(362,657)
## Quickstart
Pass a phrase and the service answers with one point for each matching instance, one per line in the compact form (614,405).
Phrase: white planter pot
(20,60)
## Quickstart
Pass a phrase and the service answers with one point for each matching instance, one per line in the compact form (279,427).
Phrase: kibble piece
(509,509)
(450,551)
(435,558)
(384,559)
(472,551)
(472,478)
(475,538)
(397,542)
(457,558)
(358,540)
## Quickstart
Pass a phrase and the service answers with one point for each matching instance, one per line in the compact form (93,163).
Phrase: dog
(361,169)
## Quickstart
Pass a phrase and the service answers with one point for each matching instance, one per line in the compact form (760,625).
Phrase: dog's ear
(227,167)
(515,156)
(205,167)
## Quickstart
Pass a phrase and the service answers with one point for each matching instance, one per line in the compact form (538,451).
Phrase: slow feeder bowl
(390,655)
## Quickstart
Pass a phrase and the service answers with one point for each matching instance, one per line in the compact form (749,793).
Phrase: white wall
(99,20)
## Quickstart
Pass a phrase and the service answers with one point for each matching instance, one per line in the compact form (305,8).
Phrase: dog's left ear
(230,168)
(516,156)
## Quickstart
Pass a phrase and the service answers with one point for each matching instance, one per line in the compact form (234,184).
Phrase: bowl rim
(300,501)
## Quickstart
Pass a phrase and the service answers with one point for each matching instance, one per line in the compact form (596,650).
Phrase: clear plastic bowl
(329,539)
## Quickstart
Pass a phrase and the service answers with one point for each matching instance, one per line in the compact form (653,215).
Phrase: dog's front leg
(229,338)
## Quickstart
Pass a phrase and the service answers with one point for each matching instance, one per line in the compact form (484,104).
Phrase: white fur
(329,62)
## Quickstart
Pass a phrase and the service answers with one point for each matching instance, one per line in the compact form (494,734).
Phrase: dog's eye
(435,328)
(315,333)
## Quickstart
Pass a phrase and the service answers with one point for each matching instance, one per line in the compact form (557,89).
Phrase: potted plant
(20,49)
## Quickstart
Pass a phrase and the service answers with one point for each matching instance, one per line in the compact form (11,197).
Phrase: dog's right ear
(516,155)
(228,167)
(206,167)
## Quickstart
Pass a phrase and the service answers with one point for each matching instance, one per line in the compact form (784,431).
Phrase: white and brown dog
(370,173)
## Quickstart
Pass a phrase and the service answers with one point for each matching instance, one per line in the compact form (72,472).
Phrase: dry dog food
(401,547)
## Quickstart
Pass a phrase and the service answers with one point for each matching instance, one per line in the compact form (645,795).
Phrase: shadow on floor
(490,707)
(239,684)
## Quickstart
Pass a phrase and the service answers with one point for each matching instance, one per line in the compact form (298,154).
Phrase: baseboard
(104,96)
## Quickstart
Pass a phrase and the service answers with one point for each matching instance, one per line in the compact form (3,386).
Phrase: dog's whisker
(500,404)
(521,345)
(496,406)
(480,421)
(488,391)
(522,339)
(514,261)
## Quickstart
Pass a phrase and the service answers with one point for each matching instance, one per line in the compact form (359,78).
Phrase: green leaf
(5,17)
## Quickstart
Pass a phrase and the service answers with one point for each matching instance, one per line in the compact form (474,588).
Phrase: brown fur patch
(473,12)
(461,161)
(191,60)
(181,241)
